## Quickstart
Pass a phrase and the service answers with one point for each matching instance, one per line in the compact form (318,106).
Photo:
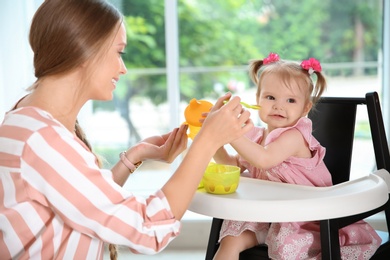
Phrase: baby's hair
(288,71)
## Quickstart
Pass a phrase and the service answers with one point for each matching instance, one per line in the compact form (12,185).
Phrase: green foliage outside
(229,33)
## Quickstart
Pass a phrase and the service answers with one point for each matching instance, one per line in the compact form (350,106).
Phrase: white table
(266,201)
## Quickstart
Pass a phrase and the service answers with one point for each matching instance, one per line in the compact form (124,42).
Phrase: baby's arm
(223,157)
(289,143)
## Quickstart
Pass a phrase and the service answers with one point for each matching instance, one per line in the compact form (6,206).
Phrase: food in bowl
(221,179)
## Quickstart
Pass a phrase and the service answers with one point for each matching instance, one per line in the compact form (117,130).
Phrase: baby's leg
(231,246)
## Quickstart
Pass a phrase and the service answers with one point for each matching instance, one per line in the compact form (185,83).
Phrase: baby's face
(281,104)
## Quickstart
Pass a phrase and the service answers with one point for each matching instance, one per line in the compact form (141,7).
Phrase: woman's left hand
(163,148)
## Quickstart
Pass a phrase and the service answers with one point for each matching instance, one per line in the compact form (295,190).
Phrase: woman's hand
(223,124)
(226,122)
(163,148)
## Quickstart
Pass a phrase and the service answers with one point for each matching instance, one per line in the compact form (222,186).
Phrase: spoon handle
(246,105)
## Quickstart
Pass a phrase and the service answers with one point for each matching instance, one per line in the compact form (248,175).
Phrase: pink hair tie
(311,65)
(272,57)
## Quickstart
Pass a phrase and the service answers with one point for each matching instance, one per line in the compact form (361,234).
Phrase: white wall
(16,69)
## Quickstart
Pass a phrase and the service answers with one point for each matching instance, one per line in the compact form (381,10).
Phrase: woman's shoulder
(27,122)
(30,117)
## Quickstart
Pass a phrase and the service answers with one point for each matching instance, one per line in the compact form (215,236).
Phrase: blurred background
(183,49)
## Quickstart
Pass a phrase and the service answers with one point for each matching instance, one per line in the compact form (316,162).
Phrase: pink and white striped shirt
(55,202)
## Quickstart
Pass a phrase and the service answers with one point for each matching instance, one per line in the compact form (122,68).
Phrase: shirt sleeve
(61,174)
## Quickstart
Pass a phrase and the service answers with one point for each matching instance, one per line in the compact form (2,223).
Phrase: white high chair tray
(266,201)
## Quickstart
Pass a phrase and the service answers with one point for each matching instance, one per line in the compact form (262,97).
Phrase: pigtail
(319,87)
(256,65)
(254,68)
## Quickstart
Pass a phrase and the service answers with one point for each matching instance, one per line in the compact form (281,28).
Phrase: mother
(56,202)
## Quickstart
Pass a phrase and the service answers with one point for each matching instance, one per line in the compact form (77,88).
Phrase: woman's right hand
(223,124)
(226,122)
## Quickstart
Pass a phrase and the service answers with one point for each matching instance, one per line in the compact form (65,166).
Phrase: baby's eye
(290,100)
(270,97)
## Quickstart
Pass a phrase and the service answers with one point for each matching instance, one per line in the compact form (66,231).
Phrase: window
(215,41)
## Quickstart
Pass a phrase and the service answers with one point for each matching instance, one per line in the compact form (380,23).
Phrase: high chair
(334,121)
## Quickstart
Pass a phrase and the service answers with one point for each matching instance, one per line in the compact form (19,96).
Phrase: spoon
(246,105)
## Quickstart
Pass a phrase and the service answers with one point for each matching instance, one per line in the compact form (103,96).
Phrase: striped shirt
(55,202)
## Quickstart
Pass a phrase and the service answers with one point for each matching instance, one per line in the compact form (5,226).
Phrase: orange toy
(193,113)
(194,110)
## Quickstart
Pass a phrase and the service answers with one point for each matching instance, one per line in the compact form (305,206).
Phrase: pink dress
(301,240)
